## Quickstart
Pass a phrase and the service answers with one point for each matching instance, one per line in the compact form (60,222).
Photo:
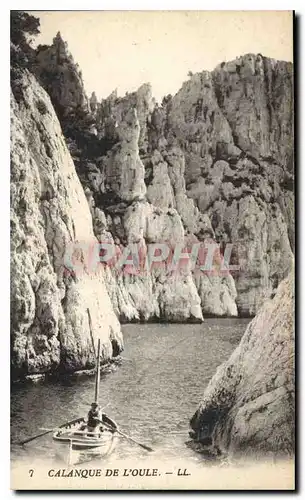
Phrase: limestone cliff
(248,406)
(49,215)
(235,127)
(55,66)
(131,215)
(212,163)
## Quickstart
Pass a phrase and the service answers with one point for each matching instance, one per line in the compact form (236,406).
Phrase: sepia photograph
(152,242)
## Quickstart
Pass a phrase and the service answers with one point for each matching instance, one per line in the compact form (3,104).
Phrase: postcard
(152,250)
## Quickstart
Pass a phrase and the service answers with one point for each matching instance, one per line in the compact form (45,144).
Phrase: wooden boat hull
(76,436)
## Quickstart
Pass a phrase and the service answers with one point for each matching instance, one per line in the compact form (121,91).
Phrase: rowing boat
(100,437)
(78,438)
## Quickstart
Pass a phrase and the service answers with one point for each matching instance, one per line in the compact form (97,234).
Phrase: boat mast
(98,372)
(91,334)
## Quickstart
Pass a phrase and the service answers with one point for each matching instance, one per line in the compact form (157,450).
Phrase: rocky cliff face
(142,192)
(235,127)
(212,163)
(248,406)
(56,68)
(49,217)
(132,215)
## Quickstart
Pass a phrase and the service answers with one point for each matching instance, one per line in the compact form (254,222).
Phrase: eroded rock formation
(56,68)
(49,214)
(248,406)
(134,216)
(214,162)
(235,127)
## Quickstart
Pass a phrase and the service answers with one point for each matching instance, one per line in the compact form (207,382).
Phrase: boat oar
(34,437)
(28,440)
(48,429)
(147,448)
(134,441)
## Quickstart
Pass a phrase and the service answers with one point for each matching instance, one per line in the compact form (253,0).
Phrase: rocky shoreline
(106,367)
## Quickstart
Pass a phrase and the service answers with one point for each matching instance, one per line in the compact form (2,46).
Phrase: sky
(124,49)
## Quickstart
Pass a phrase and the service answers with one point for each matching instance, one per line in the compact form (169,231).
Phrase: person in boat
(95,418)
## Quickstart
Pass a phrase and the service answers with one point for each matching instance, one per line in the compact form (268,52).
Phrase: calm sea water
(151,395)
